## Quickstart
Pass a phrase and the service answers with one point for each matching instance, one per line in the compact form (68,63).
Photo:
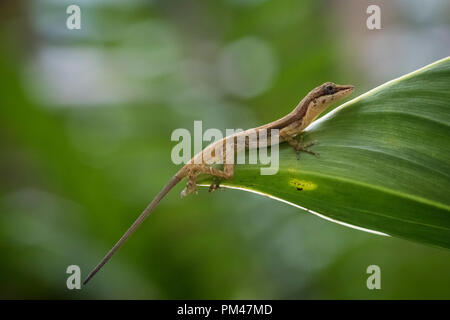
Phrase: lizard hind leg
(215,184)
(191,185)
(227,173)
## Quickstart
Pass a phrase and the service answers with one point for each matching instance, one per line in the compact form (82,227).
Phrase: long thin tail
(134,226)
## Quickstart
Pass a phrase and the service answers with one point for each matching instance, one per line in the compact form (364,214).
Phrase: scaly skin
(289,126)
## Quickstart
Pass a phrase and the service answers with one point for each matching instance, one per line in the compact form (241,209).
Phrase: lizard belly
(238,142)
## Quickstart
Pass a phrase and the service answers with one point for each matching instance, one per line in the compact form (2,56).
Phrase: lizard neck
(295,116)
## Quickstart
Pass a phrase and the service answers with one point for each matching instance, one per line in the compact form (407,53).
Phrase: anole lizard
(314,103)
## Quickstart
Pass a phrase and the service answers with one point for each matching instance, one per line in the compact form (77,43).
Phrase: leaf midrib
(373,186)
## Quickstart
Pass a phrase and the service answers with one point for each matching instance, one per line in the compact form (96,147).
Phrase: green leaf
(383,162)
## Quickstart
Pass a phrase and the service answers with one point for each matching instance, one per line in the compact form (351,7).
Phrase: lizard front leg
(298,145)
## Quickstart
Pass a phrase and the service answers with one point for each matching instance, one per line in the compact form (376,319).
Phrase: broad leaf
(383,165)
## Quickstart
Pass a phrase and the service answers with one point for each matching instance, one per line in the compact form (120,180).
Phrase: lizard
(289,126)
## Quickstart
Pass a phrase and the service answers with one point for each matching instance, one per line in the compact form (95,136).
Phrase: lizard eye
(330,89)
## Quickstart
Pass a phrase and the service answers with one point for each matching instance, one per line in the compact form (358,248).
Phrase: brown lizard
(314,103)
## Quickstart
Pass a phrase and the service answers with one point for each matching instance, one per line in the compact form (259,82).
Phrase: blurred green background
(85,123)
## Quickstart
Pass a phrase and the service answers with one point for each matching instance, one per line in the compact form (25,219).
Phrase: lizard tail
(173,182)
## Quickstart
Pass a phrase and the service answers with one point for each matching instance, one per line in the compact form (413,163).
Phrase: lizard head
(319,99)
(330,92)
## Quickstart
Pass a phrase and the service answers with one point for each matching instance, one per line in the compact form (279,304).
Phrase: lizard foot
(305,148)
(299,146)
(214,185)
(191,187)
